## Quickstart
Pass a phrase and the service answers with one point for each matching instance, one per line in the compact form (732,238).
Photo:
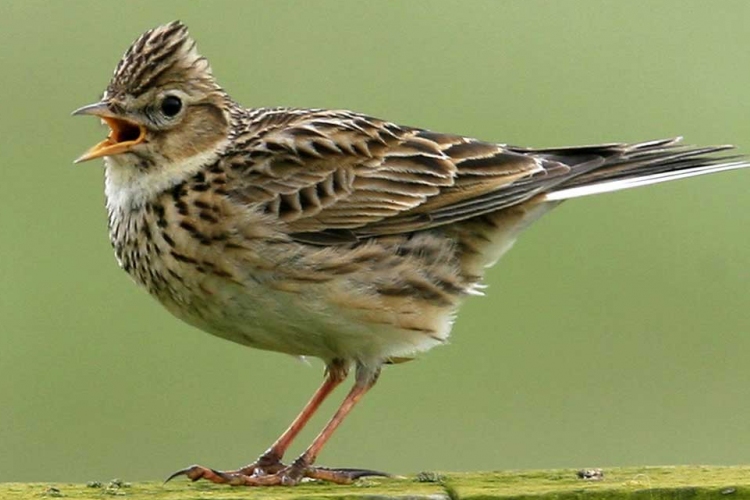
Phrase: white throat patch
(128,188)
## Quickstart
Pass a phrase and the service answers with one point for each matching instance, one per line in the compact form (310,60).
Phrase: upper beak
(123,135)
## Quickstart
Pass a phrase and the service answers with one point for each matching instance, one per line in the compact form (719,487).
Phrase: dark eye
(171,105)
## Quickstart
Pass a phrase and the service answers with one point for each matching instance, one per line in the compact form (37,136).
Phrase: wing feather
(322,172)
(335,176)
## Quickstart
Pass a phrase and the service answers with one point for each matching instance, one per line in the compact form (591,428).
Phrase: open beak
(123,134)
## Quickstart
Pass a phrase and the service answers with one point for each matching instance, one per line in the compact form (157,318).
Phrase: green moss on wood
(626,483)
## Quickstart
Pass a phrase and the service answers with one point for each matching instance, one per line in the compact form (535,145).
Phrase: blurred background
(615,333)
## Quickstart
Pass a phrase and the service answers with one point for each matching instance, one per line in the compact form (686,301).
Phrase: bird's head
(163,106)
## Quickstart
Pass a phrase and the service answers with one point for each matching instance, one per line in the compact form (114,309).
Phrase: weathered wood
(646,483)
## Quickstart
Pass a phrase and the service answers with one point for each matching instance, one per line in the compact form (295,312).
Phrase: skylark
(323,233)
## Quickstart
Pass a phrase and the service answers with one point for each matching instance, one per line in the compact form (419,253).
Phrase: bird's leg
(336,372)
(302,466)
(270,461)
(277,474)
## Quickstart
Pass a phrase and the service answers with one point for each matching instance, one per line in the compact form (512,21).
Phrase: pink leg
(268,469)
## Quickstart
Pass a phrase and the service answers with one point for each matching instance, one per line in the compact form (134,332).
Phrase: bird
(323,233)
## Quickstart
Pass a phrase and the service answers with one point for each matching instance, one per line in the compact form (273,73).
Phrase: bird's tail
(633,165)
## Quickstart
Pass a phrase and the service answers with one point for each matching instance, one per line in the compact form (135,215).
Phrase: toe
(274,475)
(197,472)
(341,476)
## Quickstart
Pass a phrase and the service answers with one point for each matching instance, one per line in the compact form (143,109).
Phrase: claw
(181,472)
(196,472)
(357,473)
(341,476)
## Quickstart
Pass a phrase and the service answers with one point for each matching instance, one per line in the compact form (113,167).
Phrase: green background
(615,333)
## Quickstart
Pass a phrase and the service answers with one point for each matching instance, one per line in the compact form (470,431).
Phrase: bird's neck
(128,187)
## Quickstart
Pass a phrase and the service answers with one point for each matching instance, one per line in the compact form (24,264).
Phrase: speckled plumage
(323,233)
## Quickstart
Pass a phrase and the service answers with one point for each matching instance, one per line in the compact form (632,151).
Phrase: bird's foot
(274,474)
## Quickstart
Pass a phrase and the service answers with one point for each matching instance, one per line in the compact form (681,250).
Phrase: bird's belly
(371,303)
(306,322)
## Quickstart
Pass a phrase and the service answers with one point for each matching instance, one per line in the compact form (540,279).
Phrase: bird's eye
(171,105)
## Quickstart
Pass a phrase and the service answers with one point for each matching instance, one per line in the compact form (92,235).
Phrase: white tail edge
(632,182)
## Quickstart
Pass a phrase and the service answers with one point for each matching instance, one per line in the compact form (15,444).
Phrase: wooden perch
(642,483)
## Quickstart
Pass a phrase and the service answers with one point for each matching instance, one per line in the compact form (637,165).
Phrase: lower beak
(123,134)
